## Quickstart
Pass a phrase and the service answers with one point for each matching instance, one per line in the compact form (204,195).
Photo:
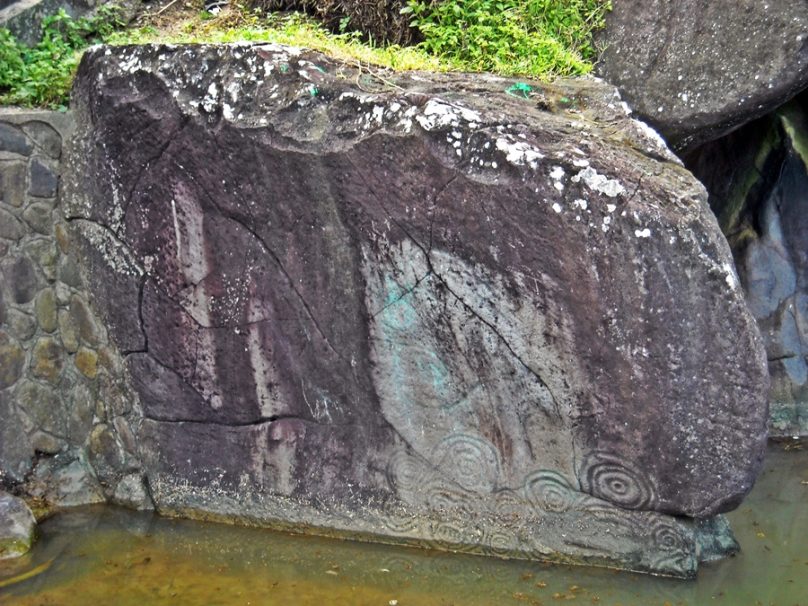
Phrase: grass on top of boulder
(537,38)
(531,38)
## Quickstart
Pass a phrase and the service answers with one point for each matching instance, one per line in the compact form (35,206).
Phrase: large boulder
(696,69)
(414,307)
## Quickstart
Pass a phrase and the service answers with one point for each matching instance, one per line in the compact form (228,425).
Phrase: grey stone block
(21,279)
(44,181)
(38,216)
(14,140)
(12,182)
(12,360)
(45,137)
(10,226)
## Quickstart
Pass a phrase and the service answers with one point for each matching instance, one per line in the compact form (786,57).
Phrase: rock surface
(60,381)
(758,183)
(390,307)
(696,69)
(17,527)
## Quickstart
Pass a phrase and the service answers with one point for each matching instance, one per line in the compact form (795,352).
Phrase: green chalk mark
(521,90)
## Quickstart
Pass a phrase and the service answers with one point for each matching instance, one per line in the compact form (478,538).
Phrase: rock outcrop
(17,527)
(413,307)
(758,183)
(696,69)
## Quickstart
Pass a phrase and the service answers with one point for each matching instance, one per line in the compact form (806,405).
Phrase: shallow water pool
(108,556)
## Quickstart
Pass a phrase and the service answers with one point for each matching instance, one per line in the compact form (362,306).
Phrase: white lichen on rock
(599,183)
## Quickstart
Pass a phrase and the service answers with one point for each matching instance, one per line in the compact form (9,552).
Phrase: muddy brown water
(108,556)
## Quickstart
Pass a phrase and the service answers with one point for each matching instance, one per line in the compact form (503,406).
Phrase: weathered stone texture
(38,217)
(13,139)
(12,183)
(46,310)
(696,69)
(52,389)
(45,136)
(400,311)
(10,226)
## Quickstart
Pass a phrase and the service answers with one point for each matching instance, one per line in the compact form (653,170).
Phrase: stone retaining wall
(63,401)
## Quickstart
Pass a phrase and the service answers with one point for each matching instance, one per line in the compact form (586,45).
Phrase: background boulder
(758,184)
(696,69)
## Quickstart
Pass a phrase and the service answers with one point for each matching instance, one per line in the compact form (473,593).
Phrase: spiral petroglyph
(607,477)
(454,534)
(498,542)
(470,461)
(666,546)
(405,472)
(509,505)
(550,491)
(674,563)
(445,497)
(668,537)
(401,522)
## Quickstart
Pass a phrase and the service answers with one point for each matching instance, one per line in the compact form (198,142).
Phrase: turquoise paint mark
(413,367)
(519,89)
(398,314)
(432,367)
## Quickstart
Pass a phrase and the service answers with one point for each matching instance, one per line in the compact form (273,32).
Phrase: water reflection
(111,556)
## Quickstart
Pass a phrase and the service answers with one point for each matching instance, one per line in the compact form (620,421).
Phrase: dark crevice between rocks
(757,180)
(740,171)
(252,423)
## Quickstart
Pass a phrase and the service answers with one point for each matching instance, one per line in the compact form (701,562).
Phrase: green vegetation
(41,76)
(532,38)
(539,38)
(236,25)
